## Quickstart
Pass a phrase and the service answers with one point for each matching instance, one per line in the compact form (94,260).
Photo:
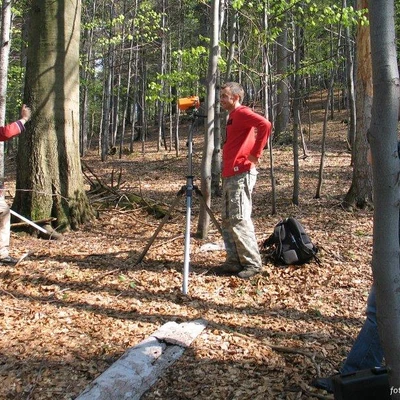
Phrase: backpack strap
(292,222)
(275,239)
(269,241)
(280,233)
(275,236)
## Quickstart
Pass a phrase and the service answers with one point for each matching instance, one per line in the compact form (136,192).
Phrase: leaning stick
(29,222)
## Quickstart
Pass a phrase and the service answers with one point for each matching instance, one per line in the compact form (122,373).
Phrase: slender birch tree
(4,53)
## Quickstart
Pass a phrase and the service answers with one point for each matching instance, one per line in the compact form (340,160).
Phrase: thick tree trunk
(360,192)
(386,170)
(49,178)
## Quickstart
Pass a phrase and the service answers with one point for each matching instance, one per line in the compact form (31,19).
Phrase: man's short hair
(236,88)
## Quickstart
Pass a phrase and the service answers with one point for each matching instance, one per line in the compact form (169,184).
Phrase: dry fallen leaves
(75,306)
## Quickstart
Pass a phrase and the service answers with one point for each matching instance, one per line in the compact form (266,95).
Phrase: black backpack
(290,244)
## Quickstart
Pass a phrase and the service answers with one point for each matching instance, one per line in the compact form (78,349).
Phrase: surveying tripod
(187,189)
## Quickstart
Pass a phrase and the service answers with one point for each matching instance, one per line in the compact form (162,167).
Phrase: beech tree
(360,192)
(49,179)
(386,170)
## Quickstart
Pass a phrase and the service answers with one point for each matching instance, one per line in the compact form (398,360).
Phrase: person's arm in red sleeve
(15,128)
(263,127)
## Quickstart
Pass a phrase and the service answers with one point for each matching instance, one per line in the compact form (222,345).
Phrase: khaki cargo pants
(4,227)
(237,227)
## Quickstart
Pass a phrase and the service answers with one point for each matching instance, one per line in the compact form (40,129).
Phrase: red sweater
(243,140)
(11,130)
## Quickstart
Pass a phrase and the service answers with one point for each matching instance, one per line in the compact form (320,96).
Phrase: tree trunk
(282,106)
(136,105)
(232,43)
(296,114)
(386,170)
(114,84)
(351,98)
(49,178)
(142,100)
(204,218)
(267,105)
(329,101)
(106,113)
(360,192)
(323,142)
(127,101)
(4,53)
(163,68)
(216,161)
(87,76)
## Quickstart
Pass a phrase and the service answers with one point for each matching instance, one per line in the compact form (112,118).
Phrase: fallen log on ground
(141,366)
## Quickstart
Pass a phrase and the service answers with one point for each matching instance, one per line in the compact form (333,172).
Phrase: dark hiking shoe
(249,272)
(232,268)
(8,260)
(227,269)
(323,383)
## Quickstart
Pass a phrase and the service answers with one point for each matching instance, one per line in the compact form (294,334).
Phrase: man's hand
(252,159)
(25,113)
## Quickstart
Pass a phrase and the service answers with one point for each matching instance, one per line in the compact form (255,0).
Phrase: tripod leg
(160,226)
(208,209)
(186,260)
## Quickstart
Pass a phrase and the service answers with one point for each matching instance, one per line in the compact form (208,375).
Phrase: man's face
(227,99)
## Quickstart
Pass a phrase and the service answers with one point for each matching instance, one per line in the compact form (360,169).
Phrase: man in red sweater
(7,132)
(246,136)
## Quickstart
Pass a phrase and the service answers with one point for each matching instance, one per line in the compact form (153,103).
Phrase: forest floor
(75,306)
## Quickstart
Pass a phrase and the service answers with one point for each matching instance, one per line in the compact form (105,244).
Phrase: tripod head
(191,106)
(189,103)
